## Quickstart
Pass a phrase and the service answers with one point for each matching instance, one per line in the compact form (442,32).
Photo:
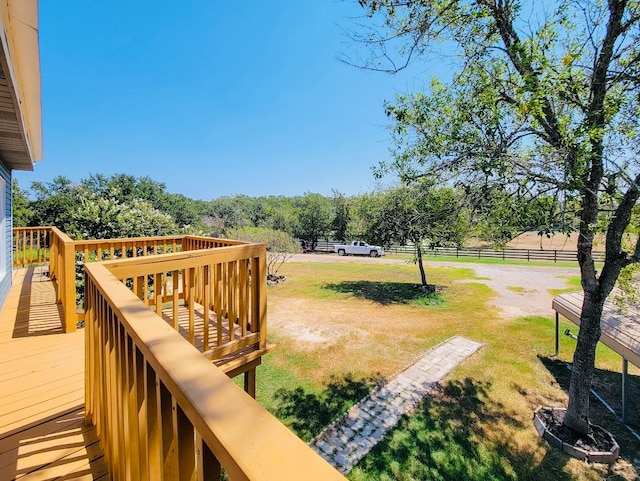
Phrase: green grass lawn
(477,425)
(573,284)
(30,255)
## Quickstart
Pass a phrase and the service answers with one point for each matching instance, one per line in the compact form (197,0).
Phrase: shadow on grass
(608,385)
(308,413)
(448,438)
(386,293)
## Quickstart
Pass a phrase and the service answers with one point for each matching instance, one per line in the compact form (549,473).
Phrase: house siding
(5,280)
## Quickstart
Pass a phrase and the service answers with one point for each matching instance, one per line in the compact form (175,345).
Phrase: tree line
(122,205)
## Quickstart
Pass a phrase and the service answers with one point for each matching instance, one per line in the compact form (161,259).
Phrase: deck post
(557,334)
(625,390)
(250,382)
(69,289)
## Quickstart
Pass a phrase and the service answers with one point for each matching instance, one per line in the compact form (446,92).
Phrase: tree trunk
(423,276)
(577,415)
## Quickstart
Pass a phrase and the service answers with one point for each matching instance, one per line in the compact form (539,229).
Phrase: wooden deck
(620,329)
(42,430)
(620,332)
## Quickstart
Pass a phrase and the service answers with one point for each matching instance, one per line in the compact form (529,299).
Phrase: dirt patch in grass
(368,321)
(311,323)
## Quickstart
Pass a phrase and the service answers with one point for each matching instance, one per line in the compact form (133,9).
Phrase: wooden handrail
(192,243)
(163,411)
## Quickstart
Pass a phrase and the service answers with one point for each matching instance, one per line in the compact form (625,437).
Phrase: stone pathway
(351,437)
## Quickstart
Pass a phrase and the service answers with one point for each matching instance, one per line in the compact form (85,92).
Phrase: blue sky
(211,98)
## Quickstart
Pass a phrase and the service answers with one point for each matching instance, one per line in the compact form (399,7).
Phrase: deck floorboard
(42,431)
(620,327)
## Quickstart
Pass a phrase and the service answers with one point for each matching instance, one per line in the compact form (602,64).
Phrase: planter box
(570,449)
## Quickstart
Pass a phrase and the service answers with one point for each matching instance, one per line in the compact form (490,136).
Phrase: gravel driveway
(521,290)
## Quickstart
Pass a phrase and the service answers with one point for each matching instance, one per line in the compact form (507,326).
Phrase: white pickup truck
(358,248)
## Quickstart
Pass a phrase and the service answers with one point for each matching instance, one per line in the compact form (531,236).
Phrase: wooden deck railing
(161,409)
(215,297)
(62,268)
(31,245)
(66,257)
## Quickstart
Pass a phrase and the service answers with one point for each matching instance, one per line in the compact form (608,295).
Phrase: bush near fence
(481,253)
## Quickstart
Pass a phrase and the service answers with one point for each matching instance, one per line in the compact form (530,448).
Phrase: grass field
(342,327)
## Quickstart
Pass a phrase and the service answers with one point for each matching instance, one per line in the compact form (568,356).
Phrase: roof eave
(20,87)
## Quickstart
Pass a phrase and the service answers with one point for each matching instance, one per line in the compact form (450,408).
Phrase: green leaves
(315,216)
(415,214)
(99,208)
(545,108)
(280,245)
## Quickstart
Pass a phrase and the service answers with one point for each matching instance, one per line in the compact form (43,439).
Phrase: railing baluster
(89,354)
(185,288)
(209,468)
(131,425)
(206,304)
(37,255)
(16,246)
(24,249)
(154,430)
(99,393)
(145,289)
(175,286)
(242,297)
(186,446)
(30,247)
(157,290)
(191,274)
(111,396)
(217,285)
(230,285)
(259,274)
(165,285)
(166,412)
(121,399)
(140,412)
(252,325)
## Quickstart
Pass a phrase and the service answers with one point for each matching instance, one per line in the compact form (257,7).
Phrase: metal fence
(481,253)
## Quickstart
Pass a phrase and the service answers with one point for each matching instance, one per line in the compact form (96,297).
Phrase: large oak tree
(545,100)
